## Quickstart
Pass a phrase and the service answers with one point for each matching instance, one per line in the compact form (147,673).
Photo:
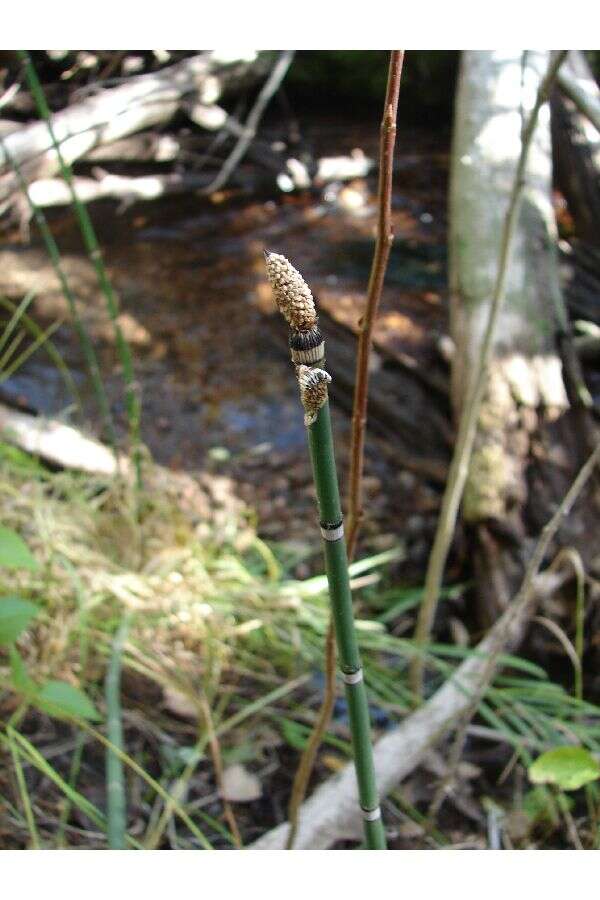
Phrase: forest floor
(222,588)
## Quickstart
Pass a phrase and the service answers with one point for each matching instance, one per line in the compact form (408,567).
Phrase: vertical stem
(89,354)
(383,245)
(93,249)
(25,800)
(116,801)
(320,441)
(215,751)
(359,418)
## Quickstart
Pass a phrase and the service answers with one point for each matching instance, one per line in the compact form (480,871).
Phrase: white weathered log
(60,444)
(8,126)
(68,448)
(141,102)
(331,813)
(145,147)
(55,192)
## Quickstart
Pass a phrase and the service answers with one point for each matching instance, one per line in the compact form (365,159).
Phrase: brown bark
(576,149)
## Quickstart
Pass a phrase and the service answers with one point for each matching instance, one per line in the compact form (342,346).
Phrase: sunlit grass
(212,612)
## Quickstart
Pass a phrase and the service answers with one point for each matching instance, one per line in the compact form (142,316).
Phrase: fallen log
(46,192)
(141,102)
(332,813)
(206,496)
(59,444)
(55,191)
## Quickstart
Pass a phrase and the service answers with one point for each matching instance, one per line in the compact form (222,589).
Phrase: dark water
(216,386)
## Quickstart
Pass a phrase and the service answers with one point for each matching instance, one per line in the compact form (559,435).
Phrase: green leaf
(14,552)
(15,616)
(296,735)
(568,767)
(60,698)
(540,807)
(20,679)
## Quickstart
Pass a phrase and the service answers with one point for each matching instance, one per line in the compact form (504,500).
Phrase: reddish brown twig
(215,752)
(383,244)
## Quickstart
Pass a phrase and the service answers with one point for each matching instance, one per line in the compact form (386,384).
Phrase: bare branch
(383,245)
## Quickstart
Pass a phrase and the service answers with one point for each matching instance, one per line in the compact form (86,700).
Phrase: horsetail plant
(95,255)
(116,800)
(89,354)
(296,303)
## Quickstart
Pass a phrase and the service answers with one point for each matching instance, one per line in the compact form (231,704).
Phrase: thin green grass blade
(36,759)
(53,353)
(42,337)
(25,799)
(17,313)
(155,785)
(116,801)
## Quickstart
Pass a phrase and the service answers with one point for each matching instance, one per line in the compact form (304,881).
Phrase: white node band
(353,677)
(371,815)
(309,357)
(333,534)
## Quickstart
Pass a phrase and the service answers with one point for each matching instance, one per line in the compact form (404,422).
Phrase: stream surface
(216,385)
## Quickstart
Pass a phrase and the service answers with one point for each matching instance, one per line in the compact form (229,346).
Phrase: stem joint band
(353,677)
(332,531)
(371,815)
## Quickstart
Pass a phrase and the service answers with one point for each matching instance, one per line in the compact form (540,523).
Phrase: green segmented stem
(89,354)
(116,800)
(95,254)
(320,440)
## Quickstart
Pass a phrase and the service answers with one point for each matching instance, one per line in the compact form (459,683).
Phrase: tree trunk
(576,144)
(526,449)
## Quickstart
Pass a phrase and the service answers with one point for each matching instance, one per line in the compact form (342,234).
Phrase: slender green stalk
(89,354)
(295,302)
(155,785)
(95,254)
(25,800)
(9,363)
(320,441)
(80,740)
(49,347)
(116,800)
